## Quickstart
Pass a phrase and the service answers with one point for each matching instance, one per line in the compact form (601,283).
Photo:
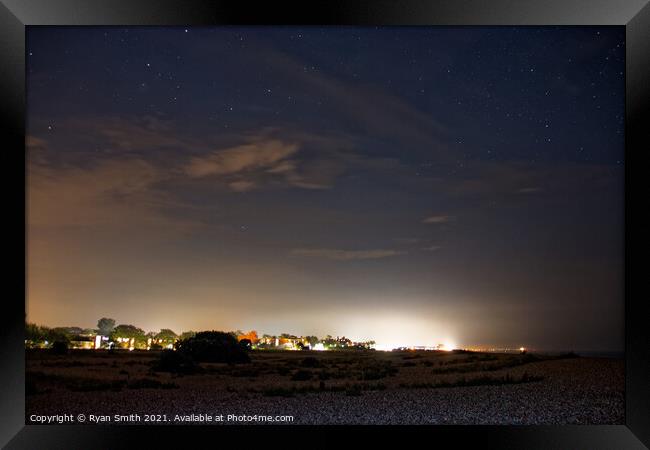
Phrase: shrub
(60,348)
(213,346)
(175,362)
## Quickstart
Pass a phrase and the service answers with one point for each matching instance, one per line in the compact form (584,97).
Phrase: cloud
(344,255)
(34,143)
(265,162)
(267,155)
(144,133)
(113,195)
(372,109)
(438,219)
(431,248)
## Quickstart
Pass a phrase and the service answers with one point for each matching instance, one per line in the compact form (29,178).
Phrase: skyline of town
(254,337)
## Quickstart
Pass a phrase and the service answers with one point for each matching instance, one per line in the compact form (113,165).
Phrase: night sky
(411,185)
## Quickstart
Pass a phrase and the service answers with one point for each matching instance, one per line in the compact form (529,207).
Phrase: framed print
(363,217)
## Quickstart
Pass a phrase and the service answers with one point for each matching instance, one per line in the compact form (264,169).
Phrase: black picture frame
(15,15)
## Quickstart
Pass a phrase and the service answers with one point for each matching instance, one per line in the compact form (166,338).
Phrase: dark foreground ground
(334,388)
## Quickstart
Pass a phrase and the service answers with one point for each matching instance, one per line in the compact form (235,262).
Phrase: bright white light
(319,347)
(385,347)
(448,346)
(392,329)
(521,349)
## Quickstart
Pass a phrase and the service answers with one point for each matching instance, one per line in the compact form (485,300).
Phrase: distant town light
(319,347)
(385,347)
(448,346)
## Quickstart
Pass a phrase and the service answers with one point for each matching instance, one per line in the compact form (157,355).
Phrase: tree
(329,341)
(34,333)
(106,326)
(166,336)
(60,334)
(186,335)
(56,335)
(213,346)
(313,340)
(129,332)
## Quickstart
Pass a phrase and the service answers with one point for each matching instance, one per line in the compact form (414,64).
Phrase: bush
(213,346)
(60,348)
(175,362)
